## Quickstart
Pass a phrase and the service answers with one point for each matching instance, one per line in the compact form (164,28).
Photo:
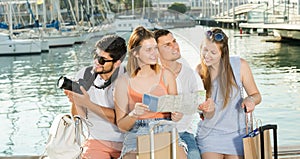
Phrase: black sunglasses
(101,59)
(216,36)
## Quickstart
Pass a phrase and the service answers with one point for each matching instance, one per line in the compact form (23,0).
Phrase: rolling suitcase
(262,129)
(158,145)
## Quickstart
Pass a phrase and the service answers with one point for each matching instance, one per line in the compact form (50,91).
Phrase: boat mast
(44,15)
(158,10)
(72,12)
(92,17)
(10,19)
(109,16)
(52,10)
(132,7)
(144,5)
(77,10)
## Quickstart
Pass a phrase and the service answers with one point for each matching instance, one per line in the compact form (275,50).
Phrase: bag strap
(235,63)
(248,116)
(80,125)
(249,119)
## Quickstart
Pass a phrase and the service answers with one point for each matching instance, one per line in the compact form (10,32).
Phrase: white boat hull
(19,46)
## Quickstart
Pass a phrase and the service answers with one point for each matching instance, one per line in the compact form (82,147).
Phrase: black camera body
(87,81)
(65,83)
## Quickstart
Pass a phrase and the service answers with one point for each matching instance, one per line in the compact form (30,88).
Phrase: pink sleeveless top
(135,97)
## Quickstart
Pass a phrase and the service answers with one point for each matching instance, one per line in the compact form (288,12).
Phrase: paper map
(184,103)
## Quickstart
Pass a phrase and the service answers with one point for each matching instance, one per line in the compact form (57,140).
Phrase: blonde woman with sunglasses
(224,78)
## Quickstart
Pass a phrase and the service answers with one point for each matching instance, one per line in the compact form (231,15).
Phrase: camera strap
(111,79)
(88,76)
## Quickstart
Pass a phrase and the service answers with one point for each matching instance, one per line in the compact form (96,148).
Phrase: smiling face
(147,54)
(211,53)
(168,48)
(108,65)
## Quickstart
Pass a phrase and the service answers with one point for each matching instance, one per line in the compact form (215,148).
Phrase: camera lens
(65,83)
(60,82)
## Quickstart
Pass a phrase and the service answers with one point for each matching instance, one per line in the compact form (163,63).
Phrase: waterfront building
(164,4)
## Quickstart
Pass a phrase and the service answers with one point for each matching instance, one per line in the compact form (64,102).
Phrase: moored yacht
(125,23)
(11,46)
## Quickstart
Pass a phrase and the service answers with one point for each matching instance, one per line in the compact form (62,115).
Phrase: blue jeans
(189,139)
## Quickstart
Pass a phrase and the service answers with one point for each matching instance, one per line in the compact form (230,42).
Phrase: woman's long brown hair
(225,75)
(134,43)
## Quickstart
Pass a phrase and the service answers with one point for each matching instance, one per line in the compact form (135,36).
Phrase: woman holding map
(144,75)
(224,79)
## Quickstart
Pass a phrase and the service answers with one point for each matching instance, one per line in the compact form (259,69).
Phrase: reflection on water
(29,99)
(284,56)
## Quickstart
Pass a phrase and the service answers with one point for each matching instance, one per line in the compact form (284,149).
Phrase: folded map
(185,103)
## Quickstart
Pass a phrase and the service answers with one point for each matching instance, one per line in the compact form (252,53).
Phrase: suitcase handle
(173,140)
(261,131)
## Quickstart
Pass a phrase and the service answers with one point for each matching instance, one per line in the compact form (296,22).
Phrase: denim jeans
(189,139)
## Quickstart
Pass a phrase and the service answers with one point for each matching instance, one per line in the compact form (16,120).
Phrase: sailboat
(63,35)
(10,46)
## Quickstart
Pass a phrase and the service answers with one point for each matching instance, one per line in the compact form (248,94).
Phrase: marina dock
(282,20)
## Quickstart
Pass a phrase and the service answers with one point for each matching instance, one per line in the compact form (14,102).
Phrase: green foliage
(179,7)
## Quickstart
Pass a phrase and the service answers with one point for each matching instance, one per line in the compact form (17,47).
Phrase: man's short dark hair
(159,33)
(114,45)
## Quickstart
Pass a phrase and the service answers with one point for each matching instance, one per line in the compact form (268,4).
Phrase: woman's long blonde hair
(138,35)
(225,75)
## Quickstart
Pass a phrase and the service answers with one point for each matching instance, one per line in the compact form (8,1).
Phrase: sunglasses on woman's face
(101,59)
(216,36)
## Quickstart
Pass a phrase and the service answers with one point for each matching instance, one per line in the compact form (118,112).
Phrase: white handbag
(65,136)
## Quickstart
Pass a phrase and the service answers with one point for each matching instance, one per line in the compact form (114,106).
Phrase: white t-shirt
(100,128)
(188,81)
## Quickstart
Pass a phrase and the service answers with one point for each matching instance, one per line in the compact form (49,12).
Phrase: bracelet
(132,114)
(251,98)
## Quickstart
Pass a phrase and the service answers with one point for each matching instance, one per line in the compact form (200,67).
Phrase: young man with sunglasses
(187,82)
(96,104)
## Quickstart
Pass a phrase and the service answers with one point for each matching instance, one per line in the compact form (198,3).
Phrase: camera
(65,83)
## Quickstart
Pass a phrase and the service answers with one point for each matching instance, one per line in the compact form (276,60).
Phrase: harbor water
(29,98)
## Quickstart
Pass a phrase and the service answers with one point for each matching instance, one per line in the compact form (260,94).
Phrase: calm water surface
(29,99)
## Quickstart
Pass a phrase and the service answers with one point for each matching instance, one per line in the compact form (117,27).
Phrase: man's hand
(78,99)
